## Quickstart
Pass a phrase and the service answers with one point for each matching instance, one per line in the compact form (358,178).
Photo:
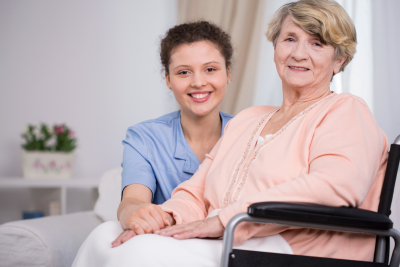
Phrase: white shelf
(18,182)
(62,185)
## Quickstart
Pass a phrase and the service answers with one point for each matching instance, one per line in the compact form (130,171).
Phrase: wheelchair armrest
(312,213)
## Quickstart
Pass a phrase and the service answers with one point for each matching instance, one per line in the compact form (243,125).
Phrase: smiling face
(303,62)
(198,78)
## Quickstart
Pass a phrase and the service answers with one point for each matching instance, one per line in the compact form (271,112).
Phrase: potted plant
(48,152)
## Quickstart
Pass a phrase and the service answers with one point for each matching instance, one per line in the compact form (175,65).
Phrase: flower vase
(47,165)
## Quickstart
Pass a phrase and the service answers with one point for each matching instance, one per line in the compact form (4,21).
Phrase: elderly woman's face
(302,61)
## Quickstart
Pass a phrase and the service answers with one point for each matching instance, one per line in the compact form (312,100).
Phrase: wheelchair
(322,217)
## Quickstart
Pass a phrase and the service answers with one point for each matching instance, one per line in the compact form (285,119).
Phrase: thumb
(169,220)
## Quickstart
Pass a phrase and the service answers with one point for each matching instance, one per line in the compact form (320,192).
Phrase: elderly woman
(318,147)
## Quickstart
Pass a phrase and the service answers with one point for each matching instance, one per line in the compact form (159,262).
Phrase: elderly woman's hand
(210,227)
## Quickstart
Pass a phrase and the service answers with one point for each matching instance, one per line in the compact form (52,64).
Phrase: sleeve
(344,158)
(187,203)
(136,167)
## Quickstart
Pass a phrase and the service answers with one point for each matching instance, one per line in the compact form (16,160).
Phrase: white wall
(91,64)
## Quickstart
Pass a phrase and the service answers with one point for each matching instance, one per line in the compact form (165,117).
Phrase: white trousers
(154,250)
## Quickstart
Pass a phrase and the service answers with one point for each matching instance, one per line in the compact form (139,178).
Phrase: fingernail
(176,235)
(157,232)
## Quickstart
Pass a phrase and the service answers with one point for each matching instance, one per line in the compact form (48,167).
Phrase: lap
(155,250)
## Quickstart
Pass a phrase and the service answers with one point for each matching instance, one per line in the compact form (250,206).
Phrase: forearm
(134,197)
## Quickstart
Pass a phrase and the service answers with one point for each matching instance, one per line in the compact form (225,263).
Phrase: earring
(229,82)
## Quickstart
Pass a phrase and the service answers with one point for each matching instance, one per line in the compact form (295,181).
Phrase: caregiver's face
(302,61)
(198,77)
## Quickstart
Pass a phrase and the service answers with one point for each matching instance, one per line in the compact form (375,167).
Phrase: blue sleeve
(136,166)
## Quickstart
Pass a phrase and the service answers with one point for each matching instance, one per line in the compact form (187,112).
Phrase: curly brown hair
(192,32)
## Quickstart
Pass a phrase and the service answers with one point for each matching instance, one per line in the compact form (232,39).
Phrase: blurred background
(94,65)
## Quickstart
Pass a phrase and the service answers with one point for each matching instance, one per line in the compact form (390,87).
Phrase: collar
(182,148)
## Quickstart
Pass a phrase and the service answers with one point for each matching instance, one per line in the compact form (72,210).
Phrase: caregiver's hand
(211,227)
(144,218)
(138,216)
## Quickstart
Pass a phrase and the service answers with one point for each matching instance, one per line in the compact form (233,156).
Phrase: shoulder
(252,113)
(346,103)
(153,126)
(151,130)
(249,117)
(348,114)
(347,99)
(226,116)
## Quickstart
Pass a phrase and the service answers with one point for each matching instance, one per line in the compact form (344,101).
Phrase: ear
(167,80)
(228,74)
(338,64)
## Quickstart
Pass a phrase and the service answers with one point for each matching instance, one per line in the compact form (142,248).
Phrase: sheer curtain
(386,89)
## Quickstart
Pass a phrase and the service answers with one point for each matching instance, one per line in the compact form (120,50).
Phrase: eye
(318,44)
(290,39)
(183,72)
(210,69)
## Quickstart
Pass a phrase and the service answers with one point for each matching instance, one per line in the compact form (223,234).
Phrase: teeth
(198,96)
(296,68)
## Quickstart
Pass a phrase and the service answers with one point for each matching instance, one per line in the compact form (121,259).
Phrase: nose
(198,80)
(300,52)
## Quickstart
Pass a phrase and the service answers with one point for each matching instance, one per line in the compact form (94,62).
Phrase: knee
(106,232)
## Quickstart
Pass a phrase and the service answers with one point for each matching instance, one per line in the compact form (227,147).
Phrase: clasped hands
(149,218)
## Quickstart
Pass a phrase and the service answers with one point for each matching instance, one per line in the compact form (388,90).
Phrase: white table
(62,185)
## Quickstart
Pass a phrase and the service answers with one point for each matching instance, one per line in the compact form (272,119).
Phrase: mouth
(200,96)
(298,68)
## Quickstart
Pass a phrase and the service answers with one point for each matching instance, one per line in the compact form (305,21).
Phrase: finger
(175,230)
(170,219)
(148,223)
(118,240)
(158,214)
(192,233)
(154,220)
(140,226)
(129,234)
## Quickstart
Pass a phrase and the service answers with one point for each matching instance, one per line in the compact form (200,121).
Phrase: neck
(300,98)
(200,129)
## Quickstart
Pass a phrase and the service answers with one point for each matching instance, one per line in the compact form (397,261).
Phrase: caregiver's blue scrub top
(157,155)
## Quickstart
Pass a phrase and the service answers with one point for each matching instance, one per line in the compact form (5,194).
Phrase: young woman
(162,153)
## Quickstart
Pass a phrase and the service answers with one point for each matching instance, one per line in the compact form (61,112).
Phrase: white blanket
(154,250)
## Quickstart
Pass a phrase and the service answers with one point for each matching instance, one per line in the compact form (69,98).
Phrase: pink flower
(68,165)
(52,164)
(71,133)
(36,164)
(59,129)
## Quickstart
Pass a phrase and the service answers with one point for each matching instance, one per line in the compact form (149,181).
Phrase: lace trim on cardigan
(269,140)
(243,158)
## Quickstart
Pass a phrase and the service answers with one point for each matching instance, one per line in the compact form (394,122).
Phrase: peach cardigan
(332,153)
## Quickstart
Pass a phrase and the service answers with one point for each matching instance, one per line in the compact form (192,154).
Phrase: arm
(189,209)
(187,203)
(136,213)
